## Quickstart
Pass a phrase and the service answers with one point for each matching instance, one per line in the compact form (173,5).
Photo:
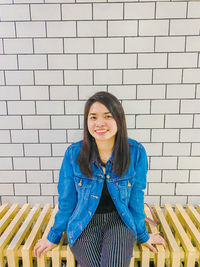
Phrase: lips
(101,131)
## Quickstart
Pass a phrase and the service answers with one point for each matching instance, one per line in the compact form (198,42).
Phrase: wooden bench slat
(198,208)
(168,236)
(194,215)
(55,253)
(3,209)
(145,256)
(184,217)
(41,260)
(32,216)
(12,248)
(160,256)
(8,216)
(21,228)
(185,241)
(11,229)
(14,225)
(190,226)
(26,251)
(51,221)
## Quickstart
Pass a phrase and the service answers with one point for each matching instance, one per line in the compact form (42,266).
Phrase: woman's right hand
(42,246)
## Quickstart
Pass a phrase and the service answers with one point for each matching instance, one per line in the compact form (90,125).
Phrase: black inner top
(106,203)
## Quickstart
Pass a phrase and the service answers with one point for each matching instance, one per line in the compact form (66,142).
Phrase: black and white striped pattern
(105,242)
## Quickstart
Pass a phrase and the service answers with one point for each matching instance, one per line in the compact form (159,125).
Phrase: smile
(101,131)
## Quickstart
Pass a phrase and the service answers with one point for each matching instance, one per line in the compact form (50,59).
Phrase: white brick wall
(178,121)
(19,77)
(139,10)
(36,122)
(139,44)
(34,93)
(50,107)
(38,176)
(52,136)
(54,54)
(182,60)
(63,93)
(12,176)
(77,12)
(3,108)
(184,27)
(192,43)
(24,136)
(169,44)
(171,10)
(45,12)
(30,29)
(153,27)
(107,11)
(32,62)
(7,29)
(10,122)
(21,107)
(122,28)
(4,136)
(18,46)
(181,91)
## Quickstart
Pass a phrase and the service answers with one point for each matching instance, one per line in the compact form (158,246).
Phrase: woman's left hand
(155,238)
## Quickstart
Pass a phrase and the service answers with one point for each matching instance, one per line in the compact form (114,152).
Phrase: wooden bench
(21,227)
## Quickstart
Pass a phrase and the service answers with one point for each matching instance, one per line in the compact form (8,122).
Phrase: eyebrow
(104,113)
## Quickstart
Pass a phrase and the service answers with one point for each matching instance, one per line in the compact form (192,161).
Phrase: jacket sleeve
(136,204)
(66,199)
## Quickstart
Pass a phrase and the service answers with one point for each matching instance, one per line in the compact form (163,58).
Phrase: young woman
(101,198)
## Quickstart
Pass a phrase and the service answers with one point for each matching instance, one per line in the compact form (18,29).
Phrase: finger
(34,252)
(39,251)
(164,243)
(152,248)
(45,251)
(160,241)
(36,248)
(156,233)
(148,244)
(157,241)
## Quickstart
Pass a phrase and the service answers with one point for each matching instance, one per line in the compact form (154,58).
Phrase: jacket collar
(96,160)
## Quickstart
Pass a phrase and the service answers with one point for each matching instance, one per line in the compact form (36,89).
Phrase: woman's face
(101,124)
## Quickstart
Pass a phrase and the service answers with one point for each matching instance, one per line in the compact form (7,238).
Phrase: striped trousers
(105,242)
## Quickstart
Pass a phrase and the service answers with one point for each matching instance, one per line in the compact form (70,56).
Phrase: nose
(100,121)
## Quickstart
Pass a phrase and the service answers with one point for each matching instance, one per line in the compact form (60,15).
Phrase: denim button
(108,176)
(113,198)
(123,214)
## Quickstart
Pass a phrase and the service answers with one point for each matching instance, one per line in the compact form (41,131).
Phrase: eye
(92,117)
(108,116)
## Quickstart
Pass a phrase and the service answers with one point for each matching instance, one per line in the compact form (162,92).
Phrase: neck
(105,149)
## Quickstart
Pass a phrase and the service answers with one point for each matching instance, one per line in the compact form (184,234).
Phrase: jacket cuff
(54,237)
(144,237)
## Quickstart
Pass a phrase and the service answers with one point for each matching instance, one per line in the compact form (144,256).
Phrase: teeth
(101,131)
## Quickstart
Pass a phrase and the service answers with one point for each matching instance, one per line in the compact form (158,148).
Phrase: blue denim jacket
(79,195)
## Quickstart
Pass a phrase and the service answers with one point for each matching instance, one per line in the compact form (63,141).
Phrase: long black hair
(121,150)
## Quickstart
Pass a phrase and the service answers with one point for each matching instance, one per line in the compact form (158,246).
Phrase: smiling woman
(101,191)
(103,128)
(101,123)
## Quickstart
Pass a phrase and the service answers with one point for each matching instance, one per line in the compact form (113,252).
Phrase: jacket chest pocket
(124,190)
(83,187)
